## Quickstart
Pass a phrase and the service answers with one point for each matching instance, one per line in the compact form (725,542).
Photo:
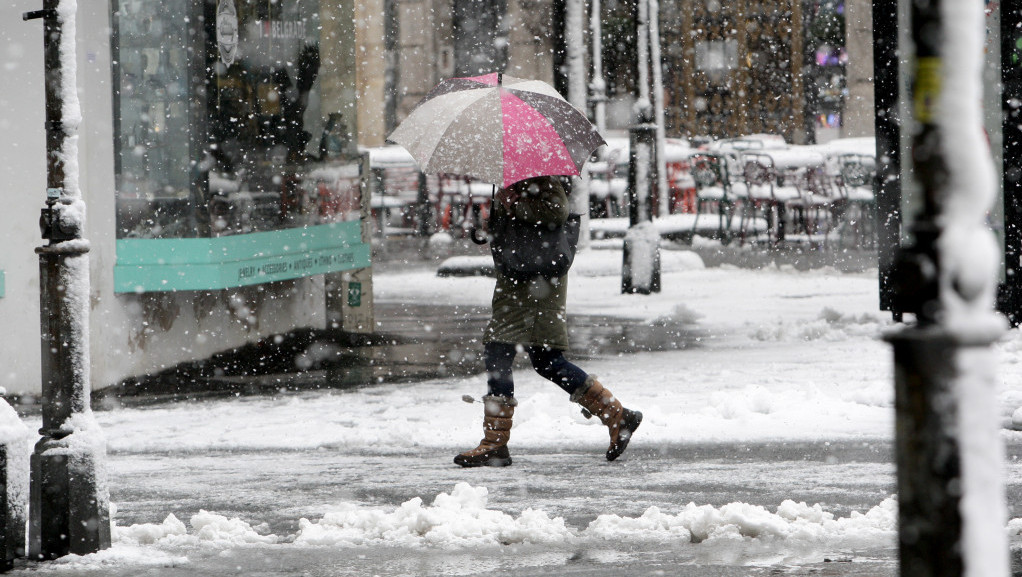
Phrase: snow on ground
(462,518)
(785,355)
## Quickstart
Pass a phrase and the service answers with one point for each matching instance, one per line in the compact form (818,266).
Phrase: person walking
(531,313)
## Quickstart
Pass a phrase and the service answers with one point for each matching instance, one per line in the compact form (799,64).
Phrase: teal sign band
(173,264)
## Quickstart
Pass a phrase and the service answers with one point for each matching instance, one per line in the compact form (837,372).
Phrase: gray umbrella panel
(456,134)
(473,142)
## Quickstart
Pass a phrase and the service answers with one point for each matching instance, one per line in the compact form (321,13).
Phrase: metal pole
(598,86)
(69,510)
(640,270)
(940,419)
(422,206)
(657,81)
(1011,81)
(887,186)
(574,48)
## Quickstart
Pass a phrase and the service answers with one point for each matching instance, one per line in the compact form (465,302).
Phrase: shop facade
(219,168)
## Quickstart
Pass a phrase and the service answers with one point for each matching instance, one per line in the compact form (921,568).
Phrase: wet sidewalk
(415,341)
(423,340)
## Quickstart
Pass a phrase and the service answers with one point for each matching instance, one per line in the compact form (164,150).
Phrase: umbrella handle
(475,238)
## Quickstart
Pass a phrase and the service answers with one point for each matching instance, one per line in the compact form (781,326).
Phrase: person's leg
(551,365)
(499,357)
(498,410)
(591,394)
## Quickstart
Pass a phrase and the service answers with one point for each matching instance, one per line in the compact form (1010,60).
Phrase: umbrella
(497,129)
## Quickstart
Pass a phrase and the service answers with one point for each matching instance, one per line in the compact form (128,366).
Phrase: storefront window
(221,128)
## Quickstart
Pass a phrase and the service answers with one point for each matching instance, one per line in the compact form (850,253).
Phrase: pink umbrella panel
(497,129)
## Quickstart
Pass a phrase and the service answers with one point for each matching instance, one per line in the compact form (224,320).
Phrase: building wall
(859,108)
(23,189)
(425,54)
(755,94)
(530,38)
(418,48)
(371,68)
(131,334)
(744,64)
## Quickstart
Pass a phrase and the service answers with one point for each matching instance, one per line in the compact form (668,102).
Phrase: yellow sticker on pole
(927,89)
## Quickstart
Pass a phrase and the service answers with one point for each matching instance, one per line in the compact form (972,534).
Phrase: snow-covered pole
(598,85)
(69,505)
(574,44)
(656,70)
(640,270)
(952,511)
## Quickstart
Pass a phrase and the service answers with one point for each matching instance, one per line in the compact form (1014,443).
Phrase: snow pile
(167,544)
(117,556)
(149,533)
(830,325)
(209,530)
(461,519)
(17,441)
(458,519)
(792,521)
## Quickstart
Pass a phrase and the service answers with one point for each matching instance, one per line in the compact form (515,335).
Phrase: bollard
(640,271)
(939,453)
(70,502)
(14,485)
(927,453)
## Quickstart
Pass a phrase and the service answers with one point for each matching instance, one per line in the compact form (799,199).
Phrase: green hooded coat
(531,313)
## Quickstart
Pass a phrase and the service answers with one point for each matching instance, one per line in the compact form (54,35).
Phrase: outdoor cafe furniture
(856,203)
(720,187)
(787,187)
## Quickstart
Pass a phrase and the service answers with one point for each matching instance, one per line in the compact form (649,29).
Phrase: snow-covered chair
(716,192)
(769,193)
(856,206)
(813,211)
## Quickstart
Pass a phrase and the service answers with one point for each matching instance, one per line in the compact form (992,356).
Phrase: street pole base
(69,508)
(640,269)
(929,444)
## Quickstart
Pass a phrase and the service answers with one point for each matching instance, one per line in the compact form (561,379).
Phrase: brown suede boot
(492,450)
(620,421)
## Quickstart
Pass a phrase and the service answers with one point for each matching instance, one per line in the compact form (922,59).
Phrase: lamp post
(69,509)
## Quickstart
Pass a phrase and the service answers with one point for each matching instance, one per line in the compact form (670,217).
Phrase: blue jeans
(549,363)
